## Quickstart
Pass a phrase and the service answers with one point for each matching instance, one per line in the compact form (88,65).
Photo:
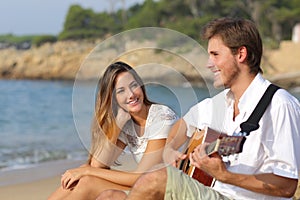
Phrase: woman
(124,116)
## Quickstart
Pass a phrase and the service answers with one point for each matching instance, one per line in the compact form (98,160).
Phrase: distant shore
(65,61)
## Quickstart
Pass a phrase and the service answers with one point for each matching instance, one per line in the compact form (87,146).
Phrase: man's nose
(210,64)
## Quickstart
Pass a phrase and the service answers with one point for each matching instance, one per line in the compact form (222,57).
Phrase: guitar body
(199,137)
(226,145)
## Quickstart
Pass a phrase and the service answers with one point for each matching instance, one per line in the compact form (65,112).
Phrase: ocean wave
(25,157)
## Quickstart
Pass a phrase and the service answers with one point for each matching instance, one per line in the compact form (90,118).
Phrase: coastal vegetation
(275,19)
(60,56)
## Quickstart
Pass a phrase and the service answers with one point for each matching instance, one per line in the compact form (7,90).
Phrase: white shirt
(158,124)
(273,148)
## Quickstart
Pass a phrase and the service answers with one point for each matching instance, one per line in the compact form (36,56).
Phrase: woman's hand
(70,178)
(122,117)
(172,156)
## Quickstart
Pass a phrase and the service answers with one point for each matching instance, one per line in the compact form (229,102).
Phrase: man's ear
(242,54)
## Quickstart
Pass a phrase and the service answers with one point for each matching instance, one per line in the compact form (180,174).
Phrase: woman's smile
(129,94)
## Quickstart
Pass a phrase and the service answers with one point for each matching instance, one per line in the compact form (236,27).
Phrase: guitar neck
(213,147)
(226,145)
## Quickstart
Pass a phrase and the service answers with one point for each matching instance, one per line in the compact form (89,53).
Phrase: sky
(34,17)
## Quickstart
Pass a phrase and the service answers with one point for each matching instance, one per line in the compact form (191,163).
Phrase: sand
(38,182)
(36,190)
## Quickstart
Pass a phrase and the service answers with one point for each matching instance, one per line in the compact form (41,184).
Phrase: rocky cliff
(81,59)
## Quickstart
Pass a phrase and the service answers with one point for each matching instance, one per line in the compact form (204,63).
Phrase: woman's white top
(158,124)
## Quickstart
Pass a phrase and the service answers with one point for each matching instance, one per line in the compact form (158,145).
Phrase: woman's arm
(71,176)
(152,156)
(175,140)
(114,154)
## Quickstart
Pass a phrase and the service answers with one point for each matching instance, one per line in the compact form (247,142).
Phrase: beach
(38,182)
(33,190)
(44,179)
(44,123)
(34,183)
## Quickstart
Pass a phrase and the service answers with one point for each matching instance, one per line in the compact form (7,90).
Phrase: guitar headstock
(226,145)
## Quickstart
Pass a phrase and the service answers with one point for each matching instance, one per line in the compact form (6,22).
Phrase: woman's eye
(119,91)
(134,85)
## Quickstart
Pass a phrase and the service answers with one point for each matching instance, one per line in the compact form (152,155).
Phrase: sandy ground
(36,190)
(37,182)
(39,185)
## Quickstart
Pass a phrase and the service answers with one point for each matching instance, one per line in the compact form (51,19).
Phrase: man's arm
(267,183)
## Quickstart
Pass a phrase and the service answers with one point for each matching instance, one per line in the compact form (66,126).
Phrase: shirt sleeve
(160,121)
(198,116)
(284,147)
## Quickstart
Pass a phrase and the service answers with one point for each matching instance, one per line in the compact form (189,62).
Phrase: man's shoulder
(283,96)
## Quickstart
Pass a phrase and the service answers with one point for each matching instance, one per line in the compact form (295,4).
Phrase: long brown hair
(104,125)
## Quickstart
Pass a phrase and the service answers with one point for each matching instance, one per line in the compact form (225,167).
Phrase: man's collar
(253,90)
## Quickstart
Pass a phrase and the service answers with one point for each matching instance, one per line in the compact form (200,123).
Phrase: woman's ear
(242,53)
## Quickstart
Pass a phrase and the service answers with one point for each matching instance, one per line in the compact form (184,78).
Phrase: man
(268,166)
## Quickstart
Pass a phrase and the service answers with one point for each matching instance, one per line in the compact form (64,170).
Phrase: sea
(42,121)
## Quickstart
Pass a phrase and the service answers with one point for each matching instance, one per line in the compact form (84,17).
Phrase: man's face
(222,63)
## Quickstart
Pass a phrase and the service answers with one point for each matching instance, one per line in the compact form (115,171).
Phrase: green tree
(274,18)
(147,16)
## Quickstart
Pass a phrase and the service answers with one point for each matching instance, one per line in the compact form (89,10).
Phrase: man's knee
(112,195)
(156,178)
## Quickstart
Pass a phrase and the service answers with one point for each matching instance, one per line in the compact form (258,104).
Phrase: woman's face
(129,94)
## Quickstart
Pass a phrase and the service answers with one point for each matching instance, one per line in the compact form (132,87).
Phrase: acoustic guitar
(219,143)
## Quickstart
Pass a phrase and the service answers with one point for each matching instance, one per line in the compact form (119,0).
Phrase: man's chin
(219,85)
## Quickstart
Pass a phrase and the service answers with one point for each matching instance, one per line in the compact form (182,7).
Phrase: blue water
(37,122)
(42,121)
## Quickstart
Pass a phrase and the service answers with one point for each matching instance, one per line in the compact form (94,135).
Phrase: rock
(68,60)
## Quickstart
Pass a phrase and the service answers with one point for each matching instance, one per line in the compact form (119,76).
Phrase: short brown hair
(236,33)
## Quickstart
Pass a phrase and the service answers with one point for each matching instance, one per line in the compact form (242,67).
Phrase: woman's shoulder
(161,112)
(160,108)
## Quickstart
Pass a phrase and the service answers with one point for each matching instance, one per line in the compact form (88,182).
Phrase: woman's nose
(130,93)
